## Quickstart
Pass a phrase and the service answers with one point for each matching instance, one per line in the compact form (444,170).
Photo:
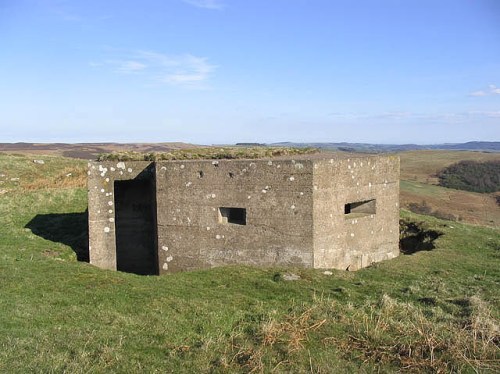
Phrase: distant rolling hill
(89,150)
(365,147)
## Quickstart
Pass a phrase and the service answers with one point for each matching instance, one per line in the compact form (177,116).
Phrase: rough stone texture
(294,213)
(355,240)
(101,201)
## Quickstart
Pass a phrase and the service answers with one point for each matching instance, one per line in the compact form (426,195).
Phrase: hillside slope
(435,309)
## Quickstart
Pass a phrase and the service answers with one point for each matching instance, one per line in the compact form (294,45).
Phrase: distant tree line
(472,176)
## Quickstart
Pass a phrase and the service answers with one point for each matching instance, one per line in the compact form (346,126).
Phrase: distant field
(435,309)
(421,166)
(419,184)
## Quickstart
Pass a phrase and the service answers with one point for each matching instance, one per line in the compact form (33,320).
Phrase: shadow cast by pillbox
(415,238)
(67,228)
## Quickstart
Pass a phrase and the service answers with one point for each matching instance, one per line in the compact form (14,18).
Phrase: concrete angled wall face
(168,216)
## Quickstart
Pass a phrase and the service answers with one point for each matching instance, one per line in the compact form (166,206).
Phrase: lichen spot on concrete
(88,172)
(110,211)
(352,234)
(107,180)
(129,170)
(164,247)
(249,197)
(165,266)
(264,191)
(215,164)
(292,178)
(299,166)
(112,169)
(110,203)
(106,229)
(301,194)
(120,165)
(218,236)
(169,258)
(292,207)
(269,163)
(182,166)
(188,184)
(102,190)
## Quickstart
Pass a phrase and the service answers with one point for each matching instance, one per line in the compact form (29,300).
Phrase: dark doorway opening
(135,221)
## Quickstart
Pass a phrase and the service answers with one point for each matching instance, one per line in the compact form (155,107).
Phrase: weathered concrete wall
(277,196)
(310,212)
(367,234)
(101,200)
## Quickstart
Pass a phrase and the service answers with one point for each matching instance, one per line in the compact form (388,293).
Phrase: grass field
(436,310)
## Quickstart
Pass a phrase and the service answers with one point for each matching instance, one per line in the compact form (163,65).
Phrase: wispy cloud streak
(206,4)
(185,70)
(492,90)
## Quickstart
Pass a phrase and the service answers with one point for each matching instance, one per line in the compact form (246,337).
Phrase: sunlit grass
(435,311)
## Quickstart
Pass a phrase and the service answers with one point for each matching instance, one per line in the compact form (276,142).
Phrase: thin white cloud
(488,114)
(189,70)
(404,117)
(478,93)
(131,67)
(492,90)
(186,70)
(206,4)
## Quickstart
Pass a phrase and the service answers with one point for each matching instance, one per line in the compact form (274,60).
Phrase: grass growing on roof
(208,153)
(435,310)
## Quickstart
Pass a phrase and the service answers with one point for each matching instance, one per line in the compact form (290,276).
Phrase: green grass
(430,311)
(423,189)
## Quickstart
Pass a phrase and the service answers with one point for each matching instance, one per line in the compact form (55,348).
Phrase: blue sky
(226,71)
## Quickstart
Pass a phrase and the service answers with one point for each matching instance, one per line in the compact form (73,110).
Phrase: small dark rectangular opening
(237,216)
(360,208)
